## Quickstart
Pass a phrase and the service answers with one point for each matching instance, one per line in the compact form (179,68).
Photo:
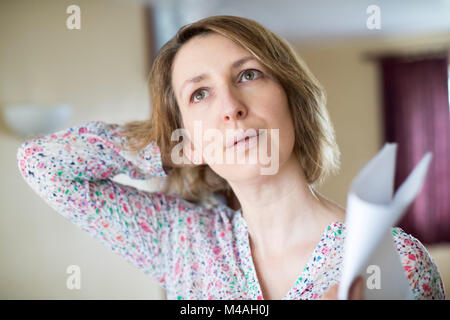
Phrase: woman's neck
(281,211)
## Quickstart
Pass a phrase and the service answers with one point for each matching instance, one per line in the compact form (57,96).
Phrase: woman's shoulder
(420,268)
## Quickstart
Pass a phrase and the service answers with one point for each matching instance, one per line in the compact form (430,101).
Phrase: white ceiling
(317,20)
(304,20)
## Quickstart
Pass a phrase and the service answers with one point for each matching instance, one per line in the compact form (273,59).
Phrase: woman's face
(231,90)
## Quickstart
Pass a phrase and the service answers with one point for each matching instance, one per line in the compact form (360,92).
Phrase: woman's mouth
(246,143)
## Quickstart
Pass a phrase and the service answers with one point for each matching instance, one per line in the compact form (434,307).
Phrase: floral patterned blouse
(193,251)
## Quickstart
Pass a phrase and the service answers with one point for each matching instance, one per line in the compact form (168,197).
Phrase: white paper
(372,211)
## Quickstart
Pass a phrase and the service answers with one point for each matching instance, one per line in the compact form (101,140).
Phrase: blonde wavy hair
(315,145)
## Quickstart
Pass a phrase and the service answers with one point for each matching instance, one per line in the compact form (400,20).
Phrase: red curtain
(416,116)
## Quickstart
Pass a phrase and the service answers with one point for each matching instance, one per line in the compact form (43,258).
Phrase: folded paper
(372,211)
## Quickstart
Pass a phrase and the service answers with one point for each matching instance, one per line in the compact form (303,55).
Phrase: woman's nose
(233,108)
(235,114)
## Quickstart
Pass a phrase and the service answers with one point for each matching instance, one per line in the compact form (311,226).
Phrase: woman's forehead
(202,56)
(211,51)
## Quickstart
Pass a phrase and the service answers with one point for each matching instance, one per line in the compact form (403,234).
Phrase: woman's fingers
(356,291)
(331,293)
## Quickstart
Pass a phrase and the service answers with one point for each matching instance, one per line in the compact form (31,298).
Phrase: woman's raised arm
(72,170)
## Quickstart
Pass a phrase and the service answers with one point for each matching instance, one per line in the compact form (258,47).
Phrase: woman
(276,237)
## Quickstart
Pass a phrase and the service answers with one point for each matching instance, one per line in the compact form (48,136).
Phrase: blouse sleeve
(422,272)
(72,170)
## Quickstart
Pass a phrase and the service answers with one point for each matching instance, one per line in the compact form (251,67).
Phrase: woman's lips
(246,143)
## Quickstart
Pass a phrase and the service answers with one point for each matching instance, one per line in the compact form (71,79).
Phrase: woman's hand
(356,291)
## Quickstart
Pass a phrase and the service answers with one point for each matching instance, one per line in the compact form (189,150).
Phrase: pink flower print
(217,250)
(145,226)
(82,203)
(29,151)
(138,205)
(106,174)
(82,130)
(195,266)
(92,140)
(421,254)
(147,210)
(408,242)
(209,267)
(177,266)
(325,251)
(309,287)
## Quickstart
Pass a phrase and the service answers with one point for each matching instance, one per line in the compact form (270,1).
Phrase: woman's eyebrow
(203,76)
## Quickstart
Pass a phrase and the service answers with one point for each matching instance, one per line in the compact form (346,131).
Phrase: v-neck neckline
(251,265)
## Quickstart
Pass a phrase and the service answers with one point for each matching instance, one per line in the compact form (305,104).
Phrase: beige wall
(354,104)
(101,71)
(354,101)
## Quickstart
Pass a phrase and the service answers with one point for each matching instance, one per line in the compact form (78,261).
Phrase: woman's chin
(238,172)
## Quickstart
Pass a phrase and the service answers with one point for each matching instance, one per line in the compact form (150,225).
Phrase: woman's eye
(249,75)
(197,95)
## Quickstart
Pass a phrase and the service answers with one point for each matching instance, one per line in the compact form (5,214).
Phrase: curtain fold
(416,116)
